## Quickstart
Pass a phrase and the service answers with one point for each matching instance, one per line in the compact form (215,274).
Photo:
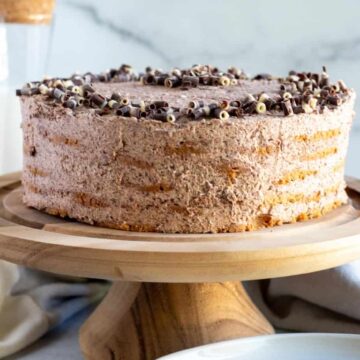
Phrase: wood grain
(168,317)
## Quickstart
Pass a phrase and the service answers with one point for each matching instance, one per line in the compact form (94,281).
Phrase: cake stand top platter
(44,242)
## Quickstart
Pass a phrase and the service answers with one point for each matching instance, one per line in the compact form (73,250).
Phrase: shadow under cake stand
(172,291)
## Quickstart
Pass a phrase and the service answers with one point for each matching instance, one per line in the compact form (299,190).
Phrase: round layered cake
(188,151)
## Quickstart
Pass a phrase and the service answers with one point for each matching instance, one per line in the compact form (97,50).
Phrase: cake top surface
(181,97)
(199,92)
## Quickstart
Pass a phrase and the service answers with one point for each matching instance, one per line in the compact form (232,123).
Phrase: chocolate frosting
(187,177)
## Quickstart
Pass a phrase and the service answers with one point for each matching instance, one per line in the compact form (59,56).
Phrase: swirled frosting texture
(191,177)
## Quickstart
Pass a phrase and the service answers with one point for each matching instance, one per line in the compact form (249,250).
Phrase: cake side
(193,177)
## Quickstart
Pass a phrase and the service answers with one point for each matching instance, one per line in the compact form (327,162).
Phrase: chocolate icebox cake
(192,150)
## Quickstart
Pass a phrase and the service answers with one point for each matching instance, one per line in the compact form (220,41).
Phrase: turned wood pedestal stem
(149,320)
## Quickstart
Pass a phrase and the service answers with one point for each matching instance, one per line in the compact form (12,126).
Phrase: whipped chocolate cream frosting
(207,175)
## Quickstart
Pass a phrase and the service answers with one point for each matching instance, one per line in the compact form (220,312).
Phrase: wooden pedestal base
(149,320)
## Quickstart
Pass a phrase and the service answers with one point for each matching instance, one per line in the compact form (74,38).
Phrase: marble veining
(126,34)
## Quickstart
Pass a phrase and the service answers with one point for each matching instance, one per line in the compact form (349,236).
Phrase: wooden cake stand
(172,291)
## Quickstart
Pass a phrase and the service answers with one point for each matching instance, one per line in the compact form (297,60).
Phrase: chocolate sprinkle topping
(299,93)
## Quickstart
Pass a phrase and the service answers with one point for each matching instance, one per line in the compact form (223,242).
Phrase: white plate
(275,347)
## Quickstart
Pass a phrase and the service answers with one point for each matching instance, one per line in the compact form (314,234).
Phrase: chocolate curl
(71,104)
(293,77)
(34,91)
(142,106)
(235,71)
(190,81)
(135,112)
(286,95)
(160,80)
(161,117)
(313,103)
(160,104)
(324,78)
(172,82)
(171,117)
(58,94)
(263,76)
(205,80)
(162,110)
(77,90)
(79,81)
(176,72)
(59,83)
(221,114)
(335,88)
(87,90)
(126,68)
(43,89)
(124,101)
(249,105)
(307,108)
(267,100)
(80,100)
(116,97)
(195,104)
(151,107)
(23,91)
(123,111)
(260,108)
(149,80)
(68,83)
(198,113)
(235,103)
(298,109)
(135,103)
(29,85)
(324,93)
(300,86)
(287,108)
(215,80)
(189,111)
(233,111)
(224,81)
(239,112)
(224,104)
(98,100)
(249,98)
(342,86)
(113,104)
(208,109)
(334,100)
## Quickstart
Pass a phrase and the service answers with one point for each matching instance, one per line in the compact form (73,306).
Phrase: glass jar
(25,38)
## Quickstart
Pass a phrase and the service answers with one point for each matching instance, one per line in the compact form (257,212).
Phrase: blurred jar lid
(27,11)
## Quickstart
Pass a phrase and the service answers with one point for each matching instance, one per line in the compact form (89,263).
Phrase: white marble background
(257,35)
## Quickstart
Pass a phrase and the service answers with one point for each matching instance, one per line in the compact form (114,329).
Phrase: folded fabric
(33,302)
(325,301)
